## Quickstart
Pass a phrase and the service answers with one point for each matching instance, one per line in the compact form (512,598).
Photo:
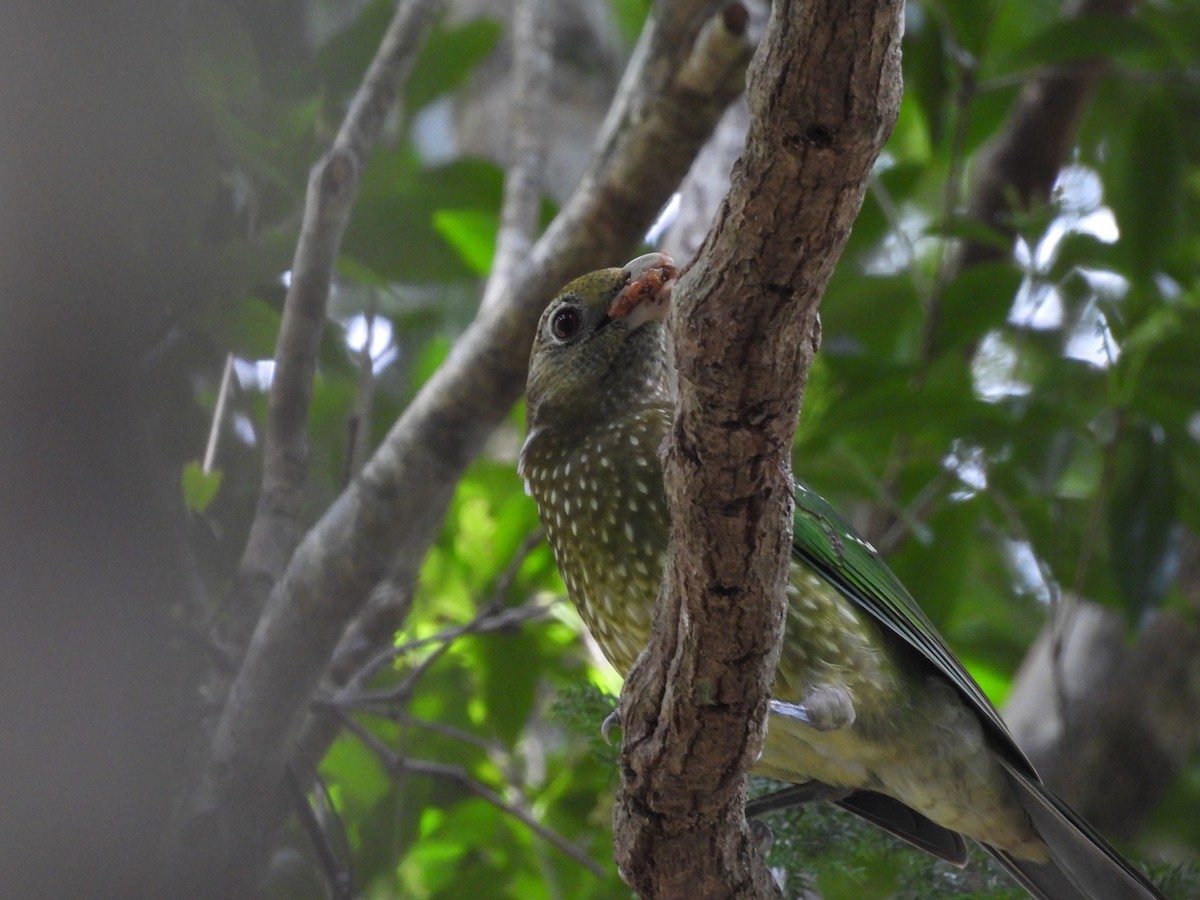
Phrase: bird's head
(601,343)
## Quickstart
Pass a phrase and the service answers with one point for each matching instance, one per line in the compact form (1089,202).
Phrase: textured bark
(823,97)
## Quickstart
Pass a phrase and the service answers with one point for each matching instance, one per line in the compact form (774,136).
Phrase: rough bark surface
(823,97)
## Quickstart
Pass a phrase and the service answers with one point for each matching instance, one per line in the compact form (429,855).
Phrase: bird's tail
(1082,865)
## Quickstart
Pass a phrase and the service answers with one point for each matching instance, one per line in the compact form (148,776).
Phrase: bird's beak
(647,293)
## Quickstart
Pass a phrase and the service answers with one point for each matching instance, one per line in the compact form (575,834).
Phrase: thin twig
(532,68)
(891,213)
(907,519)
(452,732)
(398,764)
(489,618)
(337,879)
(358,428)
(502,620)
(218,417)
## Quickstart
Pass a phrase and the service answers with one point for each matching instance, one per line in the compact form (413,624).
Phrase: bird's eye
(565,323)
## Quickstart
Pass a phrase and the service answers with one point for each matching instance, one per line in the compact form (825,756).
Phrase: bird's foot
(823,708)
(611,721)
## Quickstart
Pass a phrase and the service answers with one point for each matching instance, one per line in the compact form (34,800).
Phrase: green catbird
(870,709)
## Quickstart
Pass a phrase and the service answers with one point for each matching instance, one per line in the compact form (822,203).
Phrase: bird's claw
(762,835)
(611,721)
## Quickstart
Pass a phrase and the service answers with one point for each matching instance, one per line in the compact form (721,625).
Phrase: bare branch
(338,880)
(823,97)
(522,186)
(332,188)
(487,623)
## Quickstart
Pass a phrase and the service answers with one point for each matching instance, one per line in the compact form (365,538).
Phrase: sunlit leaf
(356,771)
(512,670)
(630,16)
(199,487)
(447,57)
(393,231)
(472,233)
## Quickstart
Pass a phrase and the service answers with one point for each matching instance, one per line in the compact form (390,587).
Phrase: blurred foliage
(1011,432)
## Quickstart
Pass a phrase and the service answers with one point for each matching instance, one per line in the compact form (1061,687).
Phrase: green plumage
(867,699)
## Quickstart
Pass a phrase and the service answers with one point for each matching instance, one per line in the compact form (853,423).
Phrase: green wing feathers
(826,542)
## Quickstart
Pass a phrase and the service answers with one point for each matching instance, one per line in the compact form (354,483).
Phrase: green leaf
(971,229)
(512,667)
(392,231)
(1185,453)
(1089,37)
(356,771)
(910,139)
(1160,364)
(1148,190)
(995,683)
(472,232)
(630,16)
(1143,529)
(926,70)
(447,58)
(879,316)
(347,54)
(354,270)
(975,302)
(937,573)
(969,25)
(199,487)
(255,326)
